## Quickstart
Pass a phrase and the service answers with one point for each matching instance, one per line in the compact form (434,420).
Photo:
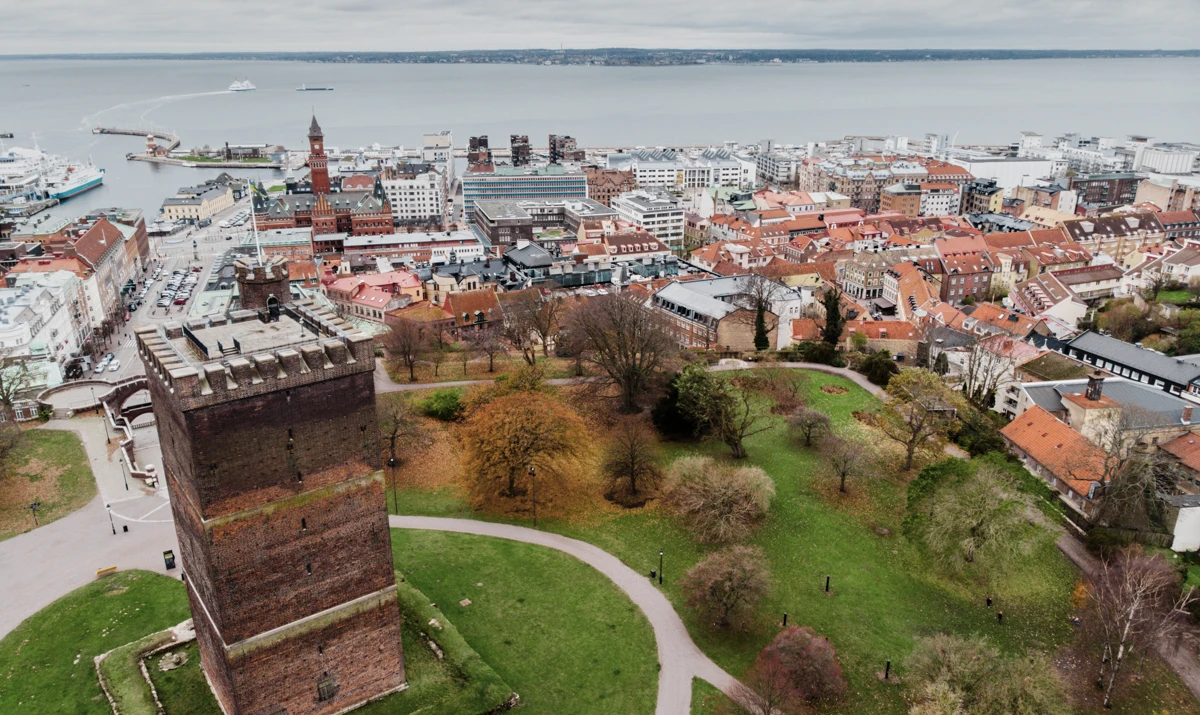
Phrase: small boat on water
(306,88)
(244,85)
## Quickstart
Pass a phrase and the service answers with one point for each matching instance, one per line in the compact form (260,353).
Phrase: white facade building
(44,316)
(660,216)
(416,192)
(439,149)
(939,200)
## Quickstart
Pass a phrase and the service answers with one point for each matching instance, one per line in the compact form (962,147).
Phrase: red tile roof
(1185,448)
(1062,451)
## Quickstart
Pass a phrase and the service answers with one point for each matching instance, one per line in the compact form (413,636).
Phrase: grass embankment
(884,593)
(50,467)
(459,684)
(477,369)
(46,663)
(1178,297)
(561,634)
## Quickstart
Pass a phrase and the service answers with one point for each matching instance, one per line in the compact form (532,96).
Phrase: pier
(170,140)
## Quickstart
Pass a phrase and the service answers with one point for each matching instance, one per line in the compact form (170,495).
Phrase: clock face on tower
(317,146)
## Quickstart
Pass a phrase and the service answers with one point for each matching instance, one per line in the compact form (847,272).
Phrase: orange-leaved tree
(507,436)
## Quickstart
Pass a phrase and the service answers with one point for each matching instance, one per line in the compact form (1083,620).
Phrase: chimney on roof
(1095,386)
(1187,414)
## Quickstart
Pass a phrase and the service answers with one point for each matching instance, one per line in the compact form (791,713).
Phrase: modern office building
(508,183)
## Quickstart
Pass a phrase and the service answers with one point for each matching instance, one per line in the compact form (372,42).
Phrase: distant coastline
(627,57)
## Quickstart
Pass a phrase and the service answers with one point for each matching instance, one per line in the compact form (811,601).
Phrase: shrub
(670,421)
(970,674)
(445,404)
(728,584)
(810,662)
(820,352)
(722,503)
(879,367)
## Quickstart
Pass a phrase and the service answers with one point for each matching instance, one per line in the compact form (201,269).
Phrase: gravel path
(679,658)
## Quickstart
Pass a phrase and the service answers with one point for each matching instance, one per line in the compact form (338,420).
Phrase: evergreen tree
(761,342)
(834,320)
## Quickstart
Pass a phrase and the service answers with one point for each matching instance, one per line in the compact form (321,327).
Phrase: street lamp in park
(110,519)
(660,565)
(533,479)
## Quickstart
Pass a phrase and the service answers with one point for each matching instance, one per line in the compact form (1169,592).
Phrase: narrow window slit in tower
(308,568)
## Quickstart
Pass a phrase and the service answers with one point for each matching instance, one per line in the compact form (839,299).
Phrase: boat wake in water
(155,103)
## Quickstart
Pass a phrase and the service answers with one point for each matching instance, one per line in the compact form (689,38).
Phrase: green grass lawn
(557,631)
(706,699)
(1175,296)
(46,663)
(882,597)
(48,466)
(477,369)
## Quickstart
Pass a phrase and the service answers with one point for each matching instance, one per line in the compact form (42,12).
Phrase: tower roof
(314,129)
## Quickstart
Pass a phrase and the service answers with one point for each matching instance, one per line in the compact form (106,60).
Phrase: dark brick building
(266,418)
(1105,189)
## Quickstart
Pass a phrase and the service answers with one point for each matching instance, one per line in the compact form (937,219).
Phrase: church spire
(314,129)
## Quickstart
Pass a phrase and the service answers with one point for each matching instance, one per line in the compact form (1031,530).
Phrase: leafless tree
(547,320)
(436,354)
(989,363)
(404,344)
(766,689)
(399,427)
(1137,604)
(631,461)
(727,584)
(810,425)
(520,322)
(919,413)
(15,379)
(628,341)
(487,341)
(464,355)
(1132,472)
(844,457)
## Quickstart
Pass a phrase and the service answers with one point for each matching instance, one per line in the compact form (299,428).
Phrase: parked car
(115,366)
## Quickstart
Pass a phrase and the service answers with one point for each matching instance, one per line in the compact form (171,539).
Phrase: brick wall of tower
(212,655)
(362,654)
(278,565)
(250,451)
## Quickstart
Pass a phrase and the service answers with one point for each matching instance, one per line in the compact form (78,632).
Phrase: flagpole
(254,225)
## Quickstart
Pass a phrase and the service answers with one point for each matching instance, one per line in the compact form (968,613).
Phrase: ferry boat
(73,179)
(306,88)
(35,174)
(243,85)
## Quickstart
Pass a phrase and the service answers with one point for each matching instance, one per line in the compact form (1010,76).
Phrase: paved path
(678,657)
(42,565)
(384,382)
(1181,656)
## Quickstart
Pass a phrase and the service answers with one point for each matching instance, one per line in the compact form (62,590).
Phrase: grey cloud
(427,25)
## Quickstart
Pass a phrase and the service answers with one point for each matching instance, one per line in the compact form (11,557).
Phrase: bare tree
(1137,604)
(720,503)
(766,689)
(436,354)
(728,584)
(547,320)
(628,341)
(404,344)
(631,461)
(487,341)
(399,427)
(989,363)
(465,355)
(520,320)
(731,410)
(15,379)
(810,425)
(844,457)
(1132,472)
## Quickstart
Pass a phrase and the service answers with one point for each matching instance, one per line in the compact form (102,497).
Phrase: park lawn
(200,159)
(477,369)
(706,699)
(49,466)
(46,662)
(883,595)
(558,632)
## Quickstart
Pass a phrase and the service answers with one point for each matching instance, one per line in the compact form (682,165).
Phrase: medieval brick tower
(318,163)
(266,418)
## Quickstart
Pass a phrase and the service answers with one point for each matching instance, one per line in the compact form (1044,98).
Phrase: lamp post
(110,519)
(660,562)
(533,479)
(124,469)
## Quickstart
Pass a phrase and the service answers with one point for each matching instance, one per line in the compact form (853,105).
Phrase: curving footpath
(678,657)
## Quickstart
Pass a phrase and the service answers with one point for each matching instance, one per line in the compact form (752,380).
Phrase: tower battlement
(219,358)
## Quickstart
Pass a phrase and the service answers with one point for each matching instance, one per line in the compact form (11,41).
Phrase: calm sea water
(57,102)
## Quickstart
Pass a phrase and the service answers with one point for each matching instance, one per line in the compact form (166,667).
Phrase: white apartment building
(43,316)
(939,200)
(660,216)
(776,167)
(439,149)
(667,169)
(1165,161)
(416,192)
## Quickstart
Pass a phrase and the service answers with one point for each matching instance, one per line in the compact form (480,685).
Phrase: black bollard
(887,669)
(785,619)
(826,584)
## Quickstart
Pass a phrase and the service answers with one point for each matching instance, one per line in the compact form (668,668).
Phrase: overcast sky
(61,26)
